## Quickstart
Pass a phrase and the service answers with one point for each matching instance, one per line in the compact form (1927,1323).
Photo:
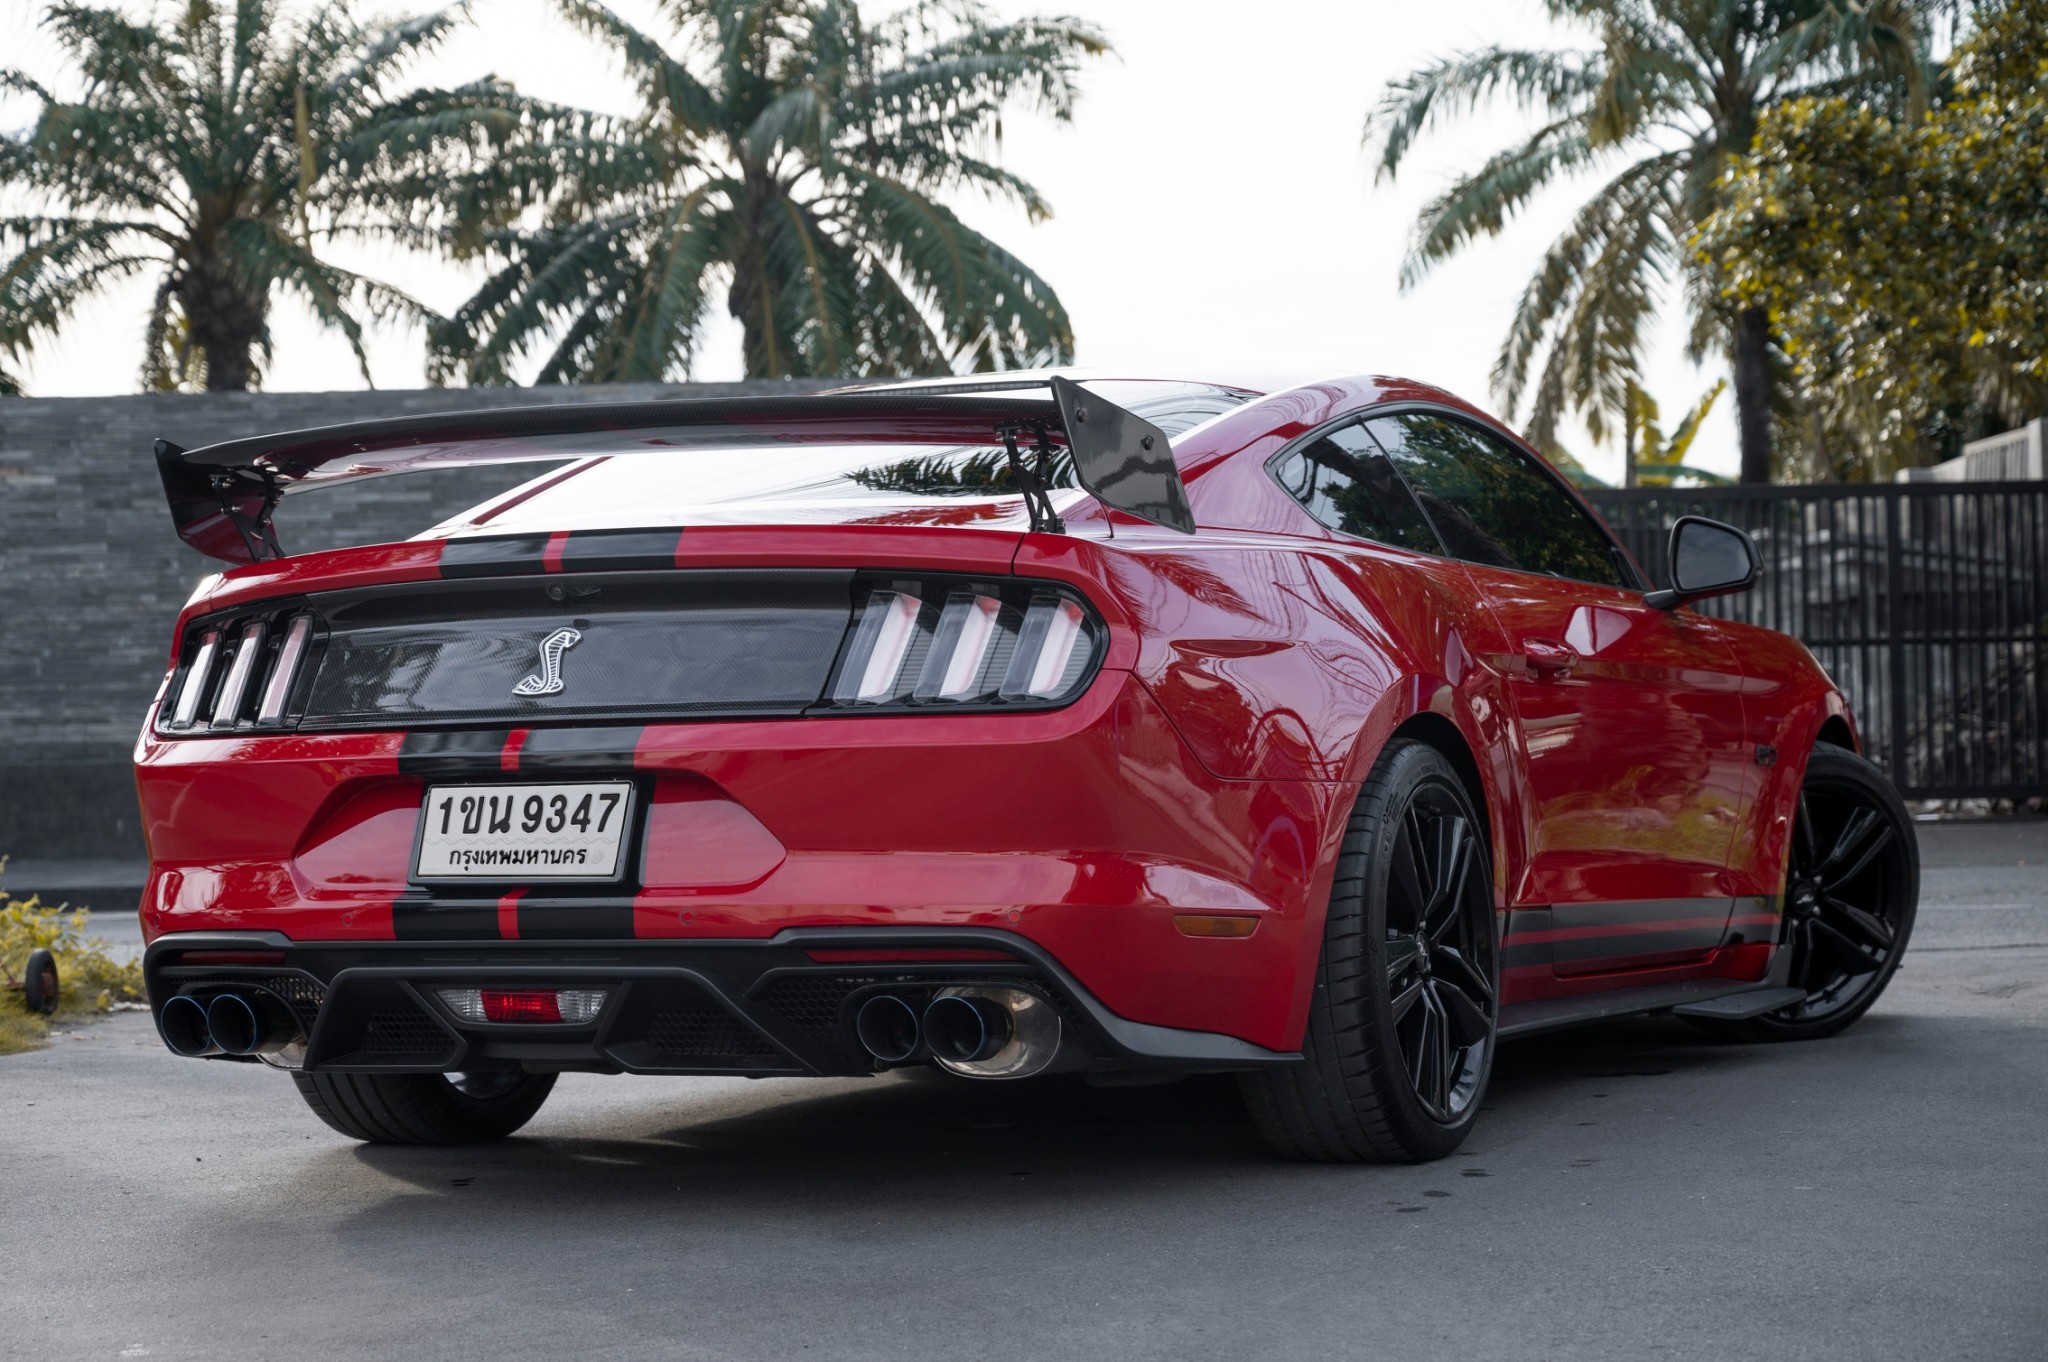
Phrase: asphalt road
(1631,1193)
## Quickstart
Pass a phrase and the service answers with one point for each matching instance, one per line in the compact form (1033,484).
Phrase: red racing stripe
(1676,924)
(508,914)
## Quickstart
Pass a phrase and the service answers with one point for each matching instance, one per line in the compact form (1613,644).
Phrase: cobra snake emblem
(548,680)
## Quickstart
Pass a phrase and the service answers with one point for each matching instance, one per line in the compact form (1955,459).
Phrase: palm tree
(1655,459)
(1669,97)
(792,151)
(219,149)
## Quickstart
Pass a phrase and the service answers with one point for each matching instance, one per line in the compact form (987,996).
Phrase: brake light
(196,677)
(228,707)
(278,690)
(966,628)
(529,1006)
(1045,650)
(882,639)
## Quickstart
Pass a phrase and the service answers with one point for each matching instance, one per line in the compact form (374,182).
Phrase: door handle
(1549,659)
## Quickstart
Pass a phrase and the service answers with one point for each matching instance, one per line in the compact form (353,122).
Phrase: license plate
(524,832)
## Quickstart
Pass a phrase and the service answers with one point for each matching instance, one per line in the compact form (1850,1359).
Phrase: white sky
(1215,216)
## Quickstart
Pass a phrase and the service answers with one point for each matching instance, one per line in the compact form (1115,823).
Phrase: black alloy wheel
(1402,1024)
(1440,945)
(1850,897)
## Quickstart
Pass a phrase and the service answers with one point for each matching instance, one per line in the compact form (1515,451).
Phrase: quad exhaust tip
(974,1032)
(888,1029)
(966,1029)
(230,1024)
(182,1023)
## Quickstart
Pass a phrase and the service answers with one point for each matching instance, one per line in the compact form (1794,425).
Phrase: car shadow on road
(900,1135)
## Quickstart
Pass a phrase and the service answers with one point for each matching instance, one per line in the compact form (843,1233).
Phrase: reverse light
(949,644)
(529,1006)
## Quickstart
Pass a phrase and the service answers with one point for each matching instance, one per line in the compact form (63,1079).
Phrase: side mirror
(1708,558)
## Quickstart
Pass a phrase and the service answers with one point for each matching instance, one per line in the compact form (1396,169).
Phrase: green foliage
(791,150)
(963,472)
(1671,92)
(218,148)
(91,980)
(1660,459)
(1904,263)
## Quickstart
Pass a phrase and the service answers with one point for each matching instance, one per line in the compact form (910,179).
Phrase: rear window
(779,481)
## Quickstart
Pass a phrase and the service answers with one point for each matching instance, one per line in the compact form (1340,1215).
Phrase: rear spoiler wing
(223,497)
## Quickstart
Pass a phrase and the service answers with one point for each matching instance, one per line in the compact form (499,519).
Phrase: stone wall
(94,576)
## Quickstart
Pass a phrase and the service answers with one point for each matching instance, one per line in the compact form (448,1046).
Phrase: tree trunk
(752,300)
(752,306)
(1752,362)
(223,322)
(1628,436)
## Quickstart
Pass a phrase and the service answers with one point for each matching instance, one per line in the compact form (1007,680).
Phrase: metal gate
(1924,602)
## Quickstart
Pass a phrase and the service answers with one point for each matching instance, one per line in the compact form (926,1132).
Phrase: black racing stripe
(496,557)
(580,749)
(417,917)
(619,550)
(1643,912)
(1756,933)
(569,919)
(1518,954)
(1622,945)
(468,752)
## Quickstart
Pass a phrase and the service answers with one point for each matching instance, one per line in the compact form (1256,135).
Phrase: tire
(1370,1088)
(425,1108)
(39,989)
(1871,908)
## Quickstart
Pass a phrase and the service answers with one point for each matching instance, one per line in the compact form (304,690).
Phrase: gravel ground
(1632,1192)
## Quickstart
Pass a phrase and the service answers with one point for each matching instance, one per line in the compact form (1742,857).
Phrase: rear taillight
(277,691)
(948,644)
(227,706)
(238,673)
(198,674)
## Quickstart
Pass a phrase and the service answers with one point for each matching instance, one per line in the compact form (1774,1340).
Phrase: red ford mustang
(1324,736)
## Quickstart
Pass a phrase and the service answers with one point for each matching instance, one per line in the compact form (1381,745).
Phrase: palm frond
(1556,82)
(1480,204)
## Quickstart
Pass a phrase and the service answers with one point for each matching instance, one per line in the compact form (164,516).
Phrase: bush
(92,981)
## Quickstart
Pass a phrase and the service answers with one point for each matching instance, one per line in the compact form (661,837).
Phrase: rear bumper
(754,1008)
(1082,831)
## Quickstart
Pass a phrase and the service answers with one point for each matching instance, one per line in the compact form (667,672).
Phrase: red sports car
(1323,735)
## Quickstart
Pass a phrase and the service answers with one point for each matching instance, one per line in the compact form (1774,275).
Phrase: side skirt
(1554,1014)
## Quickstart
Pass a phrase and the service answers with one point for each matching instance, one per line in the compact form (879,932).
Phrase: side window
(1492,504)
(1346,482)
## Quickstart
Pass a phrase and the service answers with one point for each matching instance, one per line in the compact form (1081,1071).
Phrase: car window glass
(1343,480)
(1492,504)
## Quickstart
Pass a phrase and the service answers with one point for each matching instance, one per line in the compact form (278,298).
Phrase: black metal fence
(1924,602)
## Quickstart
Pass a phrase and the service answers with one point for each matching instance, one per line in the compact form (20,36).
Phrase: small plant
(91,980)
